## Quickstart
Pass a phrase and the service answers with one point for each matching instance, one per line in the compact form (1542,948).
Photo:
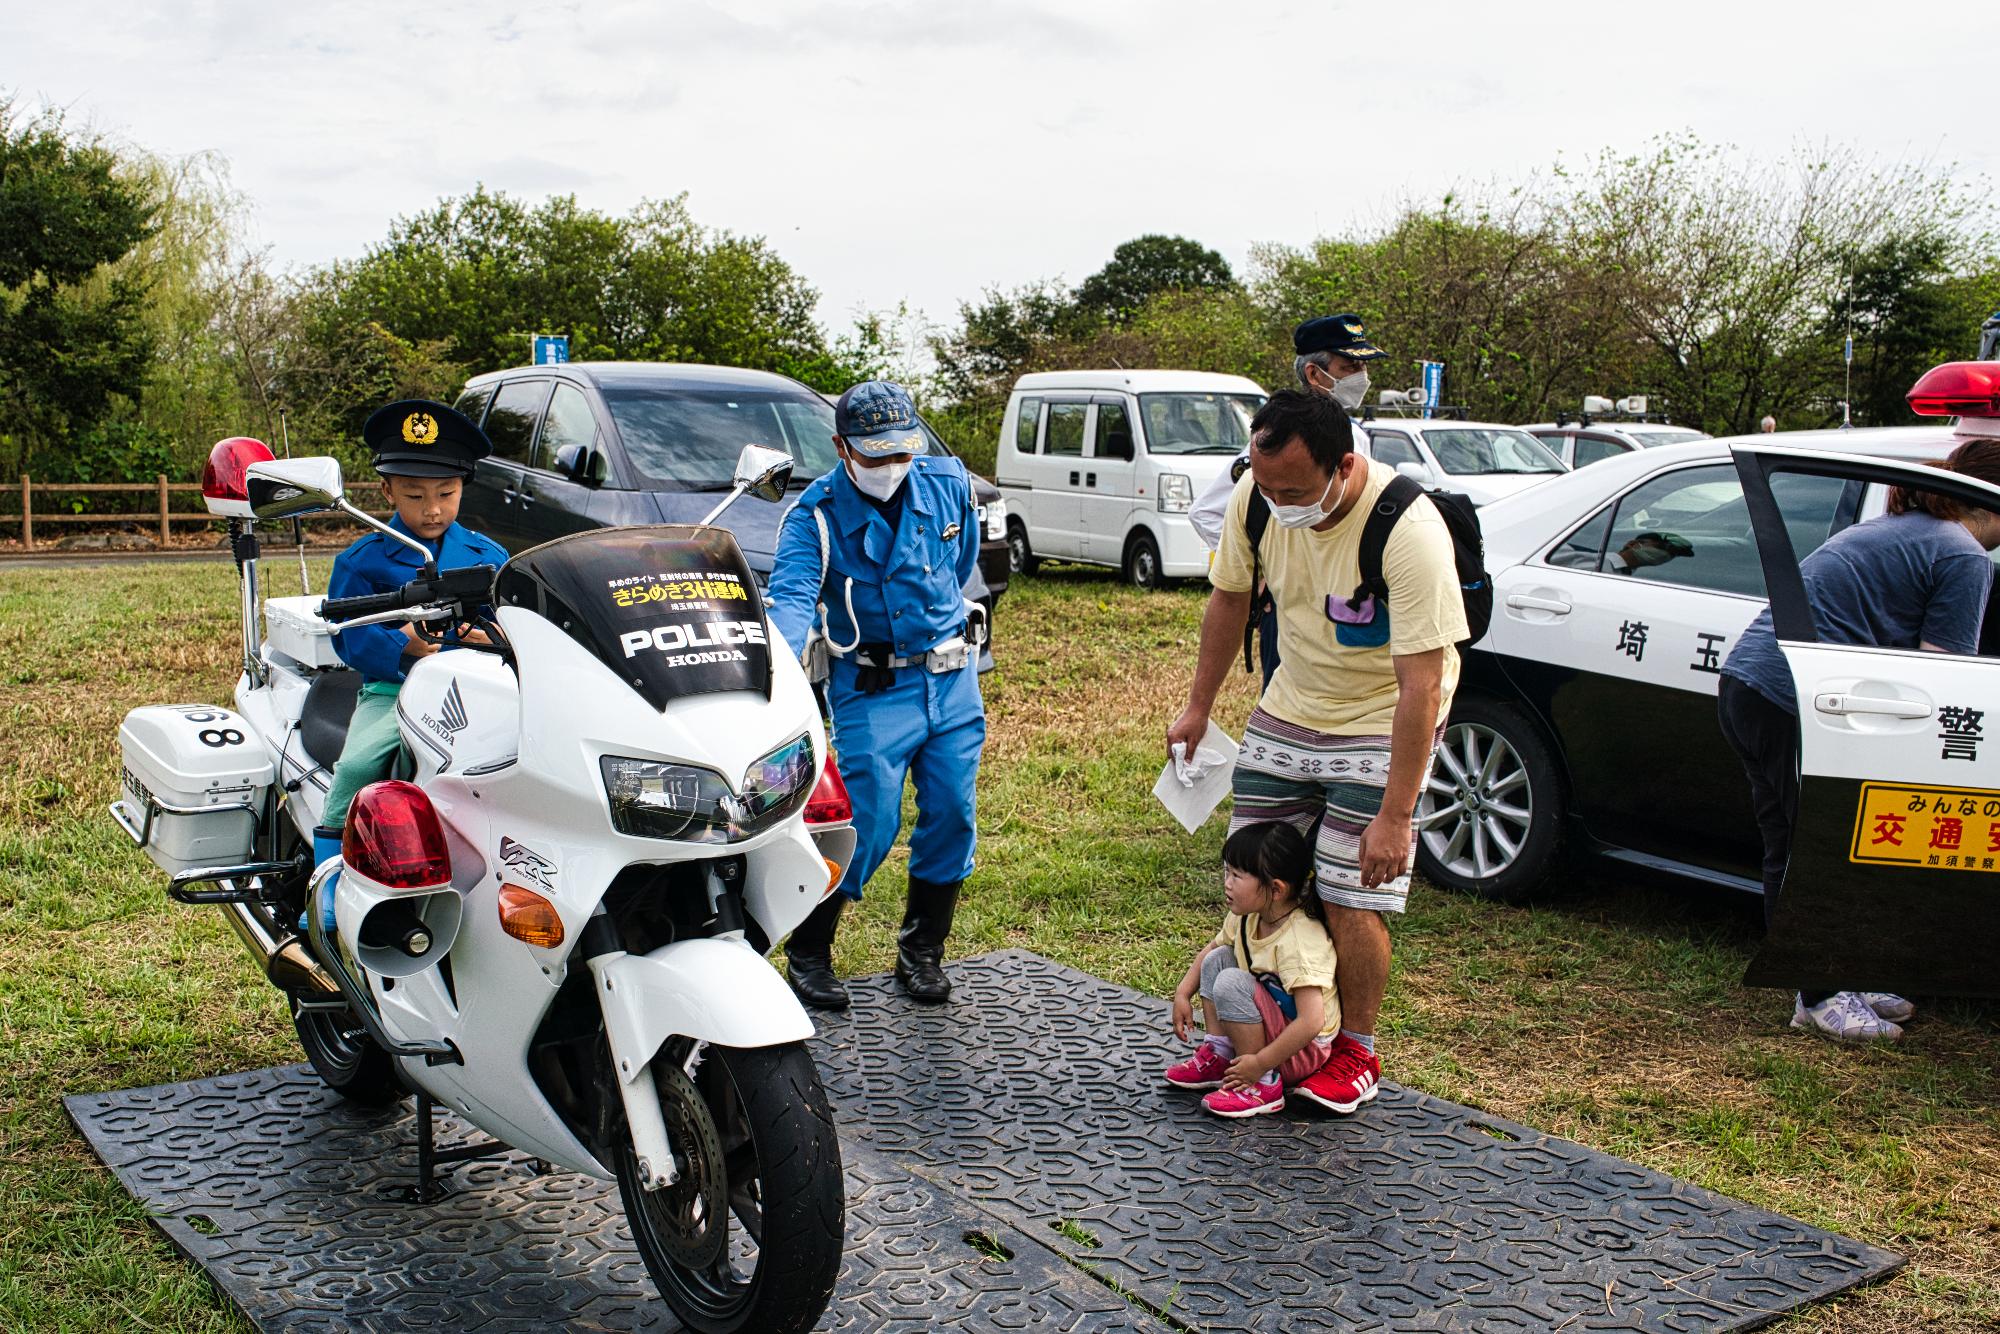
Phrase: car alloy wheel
(1479,806)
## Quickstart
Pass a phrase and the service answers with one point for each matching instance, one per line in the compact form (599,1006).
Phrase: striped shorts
(1307,779)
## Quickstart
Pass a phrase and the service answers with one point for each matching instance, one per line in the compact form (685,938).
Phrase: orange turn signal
(526,915)
(833,870)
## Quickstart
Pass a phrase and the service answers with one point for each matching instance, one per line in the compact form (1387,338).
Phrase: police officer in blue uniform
(885,588)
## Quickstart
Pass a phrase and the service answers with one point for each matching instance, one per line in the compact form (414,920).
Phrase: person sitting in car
(1915,578)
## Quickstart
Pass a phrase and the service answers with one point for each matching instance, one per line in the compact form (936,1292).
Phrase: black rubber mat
(1037,1095)
(1013,1163)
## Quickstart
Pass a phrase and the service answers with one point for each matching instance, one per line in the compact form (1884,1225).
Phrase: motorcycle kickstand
(430,1157)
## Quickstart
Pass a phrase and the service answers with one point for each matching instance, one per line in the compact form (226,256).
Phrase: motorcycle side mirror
(581,463)
(763,472)
(283,488)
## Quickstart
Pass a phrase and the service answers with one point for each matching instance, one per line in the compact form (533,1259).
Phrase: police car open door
(1894,879)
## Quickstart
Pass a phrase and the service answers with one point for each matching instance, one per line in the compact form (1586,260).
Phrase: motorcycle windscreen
(672,609)
(1894,878)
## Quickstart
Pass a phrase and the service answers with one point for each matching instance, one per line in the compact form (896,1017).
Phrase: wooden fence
(161,513)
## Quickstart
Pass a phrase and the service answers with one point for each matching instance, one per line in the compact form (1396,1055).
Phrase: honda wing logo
(452,718)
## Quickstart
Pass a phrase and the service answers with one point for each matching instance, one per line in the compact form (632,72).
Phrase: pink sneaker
(1203,1070)
(1256,1100)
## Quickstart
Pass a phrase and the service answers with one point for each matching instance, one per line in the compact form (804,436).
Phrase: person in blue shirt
(424,452)
(875,556)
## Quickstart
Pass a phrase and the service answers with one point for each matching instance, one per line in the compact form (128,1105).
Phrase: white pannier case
(292,627)
(195,778)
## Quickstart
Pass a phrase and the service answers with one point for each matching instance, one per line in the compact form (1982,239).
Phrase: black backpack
(1461,520)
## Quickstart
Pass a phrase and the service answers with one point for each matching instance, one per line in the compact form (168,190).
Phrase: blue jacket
(379,564)
(908,583)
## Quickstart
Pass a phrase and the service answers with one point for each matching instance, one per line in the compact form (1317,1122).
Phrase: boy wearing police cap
(424,452)
(876,553)
(1330,356)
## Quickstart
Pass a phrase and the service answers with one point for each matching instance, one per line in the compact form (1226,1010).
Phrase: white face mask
(1348,391)
(1305,516)
(880,481)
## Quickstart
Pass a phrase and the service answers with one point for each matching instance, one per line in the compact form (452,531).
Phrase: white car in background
(1584,442)
(1482,460)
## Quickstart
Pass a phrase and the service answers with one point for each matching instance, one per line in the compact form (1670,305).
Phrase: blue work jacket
(379,564)
(909,582)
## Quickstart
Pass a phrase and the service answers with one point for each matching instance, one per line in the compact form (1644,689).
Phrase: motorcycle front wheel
(753,1141)
(346,1058)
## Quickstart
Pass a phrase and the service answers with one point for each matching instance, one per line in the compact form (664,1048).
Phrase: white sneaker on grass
(1845,1017)
(1890,1006)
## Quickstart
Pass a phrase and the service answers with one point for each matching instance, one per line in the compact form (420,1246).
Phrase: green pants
(370,753)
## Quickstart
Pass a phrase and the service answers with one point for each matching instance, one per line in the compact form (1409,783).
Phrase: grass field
(1611,1015)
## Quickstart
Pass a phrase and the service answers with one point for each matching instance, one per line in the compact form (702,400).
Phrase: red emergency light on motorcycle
(394,837)
(829,803)
(222,488)
(1958,389)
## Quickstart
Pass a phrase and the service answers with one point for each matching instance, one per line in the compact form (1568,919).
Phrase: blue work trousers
(928,728)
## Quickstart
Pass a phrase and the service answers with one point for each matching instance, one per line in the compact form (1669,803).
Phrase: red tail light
(1958,389)
(829,803)
(222,490)
(394,837)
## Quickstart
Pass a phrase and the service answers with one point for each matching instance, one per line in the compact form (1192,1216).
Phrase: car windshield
(1651,439)
(688,438)
(1472,449)
(1198,423)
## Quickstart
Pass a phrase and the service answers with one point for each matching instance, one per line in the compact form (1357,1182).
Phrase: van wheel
(1142,562)
(1489,821)
(1021,559)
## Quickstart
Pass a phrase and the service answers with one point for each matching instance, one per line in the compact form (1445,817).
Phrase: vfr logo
(712,634)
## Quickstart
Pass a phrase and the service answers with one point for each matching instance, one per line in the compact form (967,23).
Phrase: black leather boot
(920,944)
(809,957)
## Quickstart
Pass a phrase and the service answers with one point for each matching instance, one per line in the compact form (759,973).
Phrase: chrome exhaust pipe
(285,960)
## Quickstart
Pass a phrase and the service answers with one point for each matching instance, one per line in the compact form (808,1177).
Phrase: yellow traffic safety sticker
(1937,828)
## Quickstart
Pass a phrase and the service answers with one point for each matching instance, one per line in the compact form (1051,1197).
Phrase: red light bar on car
(1958,389)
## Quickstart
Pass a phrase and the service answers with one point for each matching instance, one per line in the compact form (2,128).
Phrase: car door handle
(527,496)
(1841,705)
(1529,602)
(1072,479)
(1091,480)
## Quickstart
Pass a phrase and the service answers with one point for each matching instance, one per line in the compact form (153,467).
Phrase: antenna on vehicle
(298,526)
(1847,355)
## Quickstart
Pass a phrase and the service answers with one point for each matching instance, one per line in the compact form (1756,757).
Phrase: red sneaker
(1258,1099)
(1348,1079)
(1203,1070)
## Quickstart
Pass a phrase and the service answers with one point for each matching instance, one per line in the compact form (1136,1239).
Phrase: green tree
(73,338)
(1146,267)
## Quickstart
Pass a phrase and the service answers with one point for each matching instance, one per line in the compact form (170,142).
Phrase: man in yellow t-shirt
(1343,737)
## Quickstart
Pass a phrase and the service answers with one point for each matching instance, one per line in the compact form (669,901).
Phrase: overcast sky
(922,151)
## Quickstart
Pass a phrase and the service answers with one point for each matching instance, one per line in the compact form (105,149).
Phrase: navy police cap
(1340,334)
(419,438)
(877,418)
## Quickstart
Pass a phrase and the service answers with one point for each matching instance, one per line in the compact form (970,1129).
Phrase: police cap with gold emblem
(1340,334)
(418,438)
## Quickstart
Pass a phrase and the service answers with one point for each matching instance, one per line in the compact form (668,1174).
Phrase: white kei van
(1102,466)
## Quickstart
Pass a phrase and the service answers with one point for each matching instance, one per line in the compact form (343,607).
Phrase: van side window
(1114,432)
(1065,430)
(473,402)
(569,423)
(1026,425)
(1392,448)
(517,410)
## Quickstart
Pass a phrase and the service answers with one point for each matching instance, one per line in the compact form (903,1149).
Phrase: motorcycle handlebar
(471,584)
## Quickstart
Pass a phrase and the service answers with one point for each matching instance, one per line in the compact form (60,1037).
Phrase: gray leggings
(1229,989)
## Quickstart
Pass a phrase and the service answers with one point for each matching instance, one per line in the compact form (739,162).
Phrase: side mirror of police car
(286,487)
(1416,472)
(763,472)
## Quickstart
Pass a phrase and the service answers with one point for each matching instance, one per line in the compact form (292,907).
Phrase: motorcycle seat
(329,708)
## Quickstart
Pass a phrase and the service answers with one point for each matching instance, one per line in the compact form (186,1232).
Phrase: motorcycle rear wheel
(346,1058)
(779,1170)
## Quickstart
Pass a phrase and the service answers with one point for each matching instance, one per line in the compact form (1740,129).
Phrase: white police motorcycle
(558,926)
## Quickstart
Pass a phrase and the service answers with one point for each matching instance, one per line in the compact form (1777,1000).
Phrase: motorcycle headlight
(659,799)
(1176,492)
(993,520)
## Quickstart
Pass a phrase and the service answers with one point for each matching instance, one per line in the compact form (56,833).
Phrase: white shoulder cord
(834,647)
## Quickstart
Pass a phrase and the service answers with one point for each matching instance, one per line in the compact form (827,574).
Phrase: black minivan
(597,444)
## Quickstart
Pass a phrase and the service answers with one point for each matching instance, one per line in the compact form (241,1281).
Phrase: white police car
(1586,720)
(1585,441)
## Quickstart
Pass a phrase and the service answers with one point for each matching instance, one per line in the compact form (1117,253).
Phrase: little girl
(1266,980)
